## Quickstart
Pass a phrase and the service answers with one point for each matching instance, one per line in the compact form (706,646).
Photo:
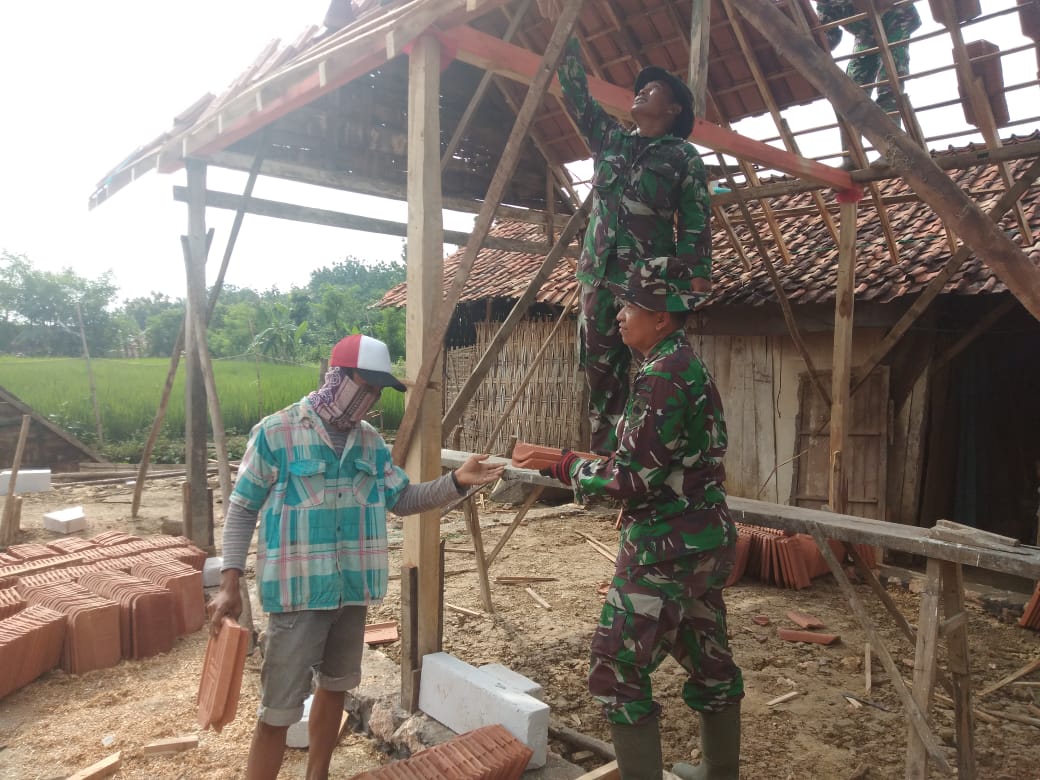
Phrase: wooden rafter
(1006,259)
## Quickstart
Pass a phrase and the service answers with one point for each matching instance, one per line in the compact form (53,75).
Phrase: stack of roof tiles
(488,753)
(221,681)
(1031,614)
(780,558)
(103,612)
(30,644)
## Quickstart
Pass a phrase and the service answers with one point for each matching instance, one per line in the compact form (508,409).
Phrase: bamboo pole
(510,157)
(9,519)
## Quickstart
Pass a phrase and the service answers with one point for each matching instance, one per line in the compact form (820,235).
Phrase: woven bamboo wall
(547,412)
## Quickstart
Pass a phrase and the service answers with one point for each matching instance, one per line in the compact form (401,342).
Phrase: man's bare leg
(266,751)
(323,731)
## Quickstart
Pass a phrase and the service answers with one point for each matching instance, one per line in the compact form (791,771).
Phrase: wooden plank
(697,69)
(975,228)
(172,745)
(538,599)
(425,273)
(409,637)
(103,768)
(291,211)
(8,521)
(434,339)
(1029,668)
(606,772)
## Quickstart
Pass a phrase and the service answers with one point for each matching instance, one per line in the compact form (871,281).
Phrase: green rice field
(129,392)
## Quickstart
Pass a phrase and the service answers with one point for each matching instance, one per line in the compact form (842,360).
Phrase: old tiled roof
(810,278)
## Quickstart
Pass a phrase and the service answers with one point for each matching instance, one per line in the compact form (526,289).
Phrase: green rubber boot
(720,747)
(638,750)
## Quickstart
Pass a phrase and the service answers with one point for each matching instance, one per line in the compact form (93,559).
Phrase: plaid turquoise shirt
(322,539)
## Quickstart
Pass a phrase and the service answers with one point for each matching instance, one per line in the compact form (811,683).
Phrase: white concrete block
(513,679)
(296,736)
(28,481)
(211,572)
(463,698)
(65,521)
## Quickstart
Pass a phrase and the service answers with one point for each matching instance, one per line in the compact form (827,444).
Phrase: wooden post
(425,277)
(197,313)
(409,639)
(469,510)
(195,452)
(841,364)
(9,518)
(925,662)
(99,429)
(697,75)
(434,338)
(957,661)
(920,172)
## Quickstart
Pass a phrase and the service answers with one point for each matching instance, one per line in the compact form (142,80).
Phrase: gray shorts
(322,647)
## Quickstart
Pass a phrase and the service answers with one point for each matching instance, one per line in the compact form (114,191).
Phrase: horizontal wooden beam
(291,211)
(349,182)
(1017,151)
(493,54)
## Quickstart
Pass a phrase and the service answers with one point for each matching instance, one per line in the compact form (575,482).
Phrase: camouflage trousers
(870,68)
(606,360)
(670,608)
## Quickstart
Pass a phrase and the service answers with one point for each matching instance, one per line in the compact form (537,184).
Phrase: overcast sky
(87,83)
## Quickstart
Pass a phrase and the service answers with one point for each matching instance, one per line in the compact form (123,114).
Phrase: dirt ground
(63,723)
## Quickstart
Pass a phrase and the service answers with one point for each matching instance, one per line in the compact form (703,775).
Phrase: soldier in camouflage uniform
(677,542)
(898,23)
(650,199)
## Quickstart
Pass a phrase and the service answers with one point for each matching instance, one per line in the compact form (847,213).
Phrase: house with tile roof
(945,425)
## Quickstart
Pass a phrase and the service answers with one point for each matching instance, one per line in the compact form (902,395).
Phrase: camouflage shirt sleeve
(693,238)
(653,429)
(596,125)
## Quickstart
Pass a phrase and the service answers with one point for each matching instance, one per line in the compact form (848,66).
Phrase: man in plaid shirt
(320,480)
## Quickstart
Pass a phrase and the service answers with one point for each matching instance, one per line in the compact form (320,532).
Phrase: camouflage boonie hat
(659,284)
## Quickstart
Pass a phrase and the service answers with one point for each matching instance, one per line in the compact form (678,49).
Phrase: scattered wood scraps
(462,610)
(103,768)
(814,637)
(171,745)
(538,599)
(783,698)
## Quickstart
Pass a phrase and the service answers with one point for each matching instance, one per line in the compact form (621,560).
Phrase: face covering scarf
(341,402)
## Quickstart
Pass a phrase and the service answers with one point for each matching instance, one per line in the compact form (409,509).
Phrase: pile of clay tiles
(115,596)
(784,559)
(536,457)
(488,753)
(1031,614)
(221,681)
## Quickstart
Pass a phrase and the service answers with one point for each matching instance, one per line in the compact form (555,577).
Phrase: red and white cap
(369,357)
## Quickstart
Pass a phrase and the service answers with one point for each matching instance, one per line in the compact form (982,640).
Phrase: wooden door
(865,463)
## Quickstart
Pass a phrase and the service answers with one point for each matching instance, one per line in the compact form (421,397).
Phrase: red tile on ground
(790,635)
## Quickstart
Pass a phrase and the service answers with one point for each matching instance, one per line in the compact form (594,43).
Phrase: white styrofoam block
(463,698)
(513,679)
(211,572)
(65,521)
(296,736)
(28,481)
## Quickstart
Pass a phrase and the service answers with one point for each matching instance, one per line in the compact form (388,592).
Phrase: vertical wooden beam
(425,277)
(434,341)
(196,522)
(841,364)
(920,172)
(469,511)
(697,73)
(90,376)
(957,661)
(409,646)
(924,668)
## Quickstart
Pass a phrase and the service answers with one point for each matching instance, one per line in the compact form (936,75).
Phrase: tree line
(43,313)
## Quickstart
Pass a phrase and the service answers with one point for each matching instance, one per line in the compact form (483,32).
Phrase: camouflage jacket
(903,19)
(667,470)
(651,194)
